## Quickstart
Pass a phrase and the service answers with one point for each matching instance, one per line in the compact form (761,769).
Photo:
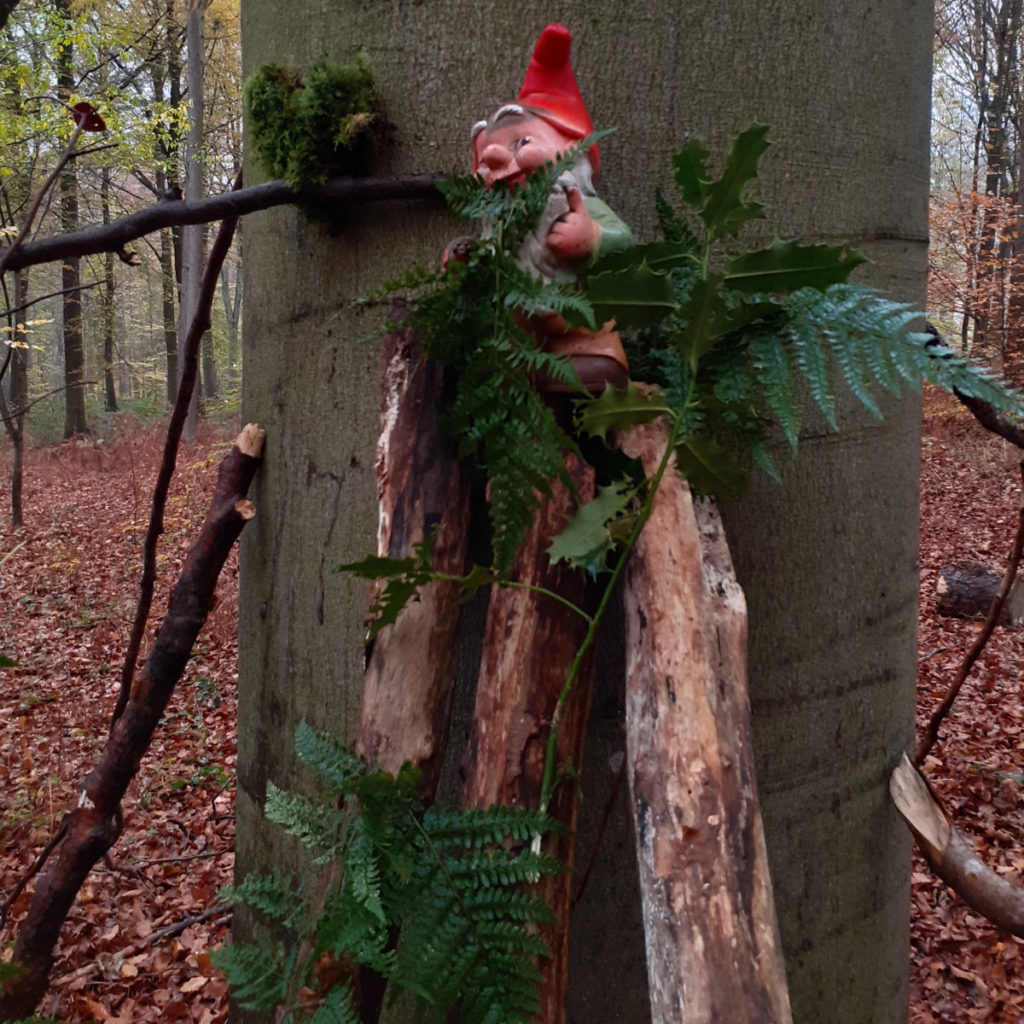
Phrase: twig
(932,732)
(54,295)
(169,212)
(21,410)
(161,933)
(200,324)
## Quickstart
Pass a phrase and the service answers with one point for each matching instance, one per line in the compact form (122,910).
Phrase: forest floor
(135,947)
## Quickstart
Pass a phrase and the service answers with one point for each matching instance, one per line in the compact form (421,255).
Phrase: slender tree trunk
(109,344)
(167,289)
(192,234)
(12,408)
(231,294)
(71,278)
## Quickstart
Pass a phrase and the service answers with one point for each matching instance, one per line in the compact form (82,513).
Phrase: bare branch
(166,213)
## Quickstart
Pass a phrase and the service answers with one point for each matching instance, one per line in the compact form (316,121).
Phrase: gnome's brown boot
(597,356)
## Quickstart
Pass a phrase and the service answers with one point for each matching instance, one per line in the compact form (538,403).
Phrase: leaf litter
(135,945)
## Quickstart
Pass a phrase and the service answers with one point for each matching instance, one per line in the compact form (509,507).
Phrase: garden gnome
(576,227)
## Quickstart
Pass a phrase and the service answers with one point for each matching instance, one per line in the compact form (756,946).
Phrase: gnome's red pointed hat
(550,89)
(550,86)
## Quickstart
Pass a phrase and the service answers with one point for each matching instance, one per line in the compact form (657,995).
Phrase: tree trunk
(231,294)
(108,304)
(192,234)
(12,406)
(71,279)
(832,659)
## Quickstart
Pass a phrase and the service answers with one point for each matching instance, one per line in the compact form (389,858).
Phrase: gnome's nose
(496,157)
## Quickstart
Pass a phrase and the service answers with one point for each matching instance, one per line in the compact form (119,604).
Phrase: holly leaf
(620,409)
(692,174)
(6,662)
(706,318)
(376,567)
(659,256)
(586,539)
(724,212)
(709,468)
(785,266)
(634,297)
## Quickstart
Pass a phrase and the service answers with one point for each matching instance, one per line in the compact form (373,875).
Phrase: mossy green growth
(308,127)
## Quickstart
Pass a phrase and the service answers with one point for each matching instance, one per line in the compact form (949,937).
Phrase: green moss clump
(308,128)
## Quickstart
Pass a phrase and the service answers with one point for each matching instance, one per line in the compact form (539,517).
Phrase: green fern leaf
(771,364)
(258,977)
(338,764)
(810,355)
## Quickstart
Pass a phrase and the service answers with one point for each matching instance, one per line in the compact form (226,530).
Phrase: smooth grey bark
(845,88)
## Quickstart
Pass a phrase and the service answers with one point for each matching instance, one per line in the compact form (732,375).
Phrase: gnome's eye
(524,141)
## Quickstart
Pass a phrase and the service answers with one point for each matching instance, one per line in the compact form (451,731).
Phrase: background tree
(832,594)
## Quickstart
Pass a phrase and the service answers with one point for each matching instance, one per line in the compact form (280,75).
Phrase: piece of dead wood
(421,485)
(951,856)
(530,640)
(968,590)
(713,948)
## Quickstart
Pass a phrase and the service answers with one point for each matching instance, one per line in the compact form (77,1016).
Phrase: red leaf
(87,117)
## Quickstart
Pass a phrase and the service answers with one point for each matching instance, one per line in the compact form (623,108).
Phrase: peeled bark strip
(951,856)
(713,950)
(410,666)
(88,831)
(529,643)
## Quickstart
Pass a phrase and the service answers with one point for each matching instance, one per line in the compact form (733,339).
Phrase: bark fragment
(421,484)
(530,641)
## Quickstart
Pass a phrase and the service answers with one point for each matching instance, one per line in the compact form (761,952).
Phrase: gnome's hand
(574,236)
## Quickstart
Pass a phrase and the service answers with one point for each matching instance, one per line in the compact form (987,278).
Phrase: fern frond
(336,1008)
(305,819)
(476,828)
(258,976)
(272,895)
(810,354)
(338,764)
(771,364)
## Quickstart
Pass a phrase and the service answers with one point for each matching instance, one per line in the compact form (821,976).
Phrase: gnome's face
(515,145)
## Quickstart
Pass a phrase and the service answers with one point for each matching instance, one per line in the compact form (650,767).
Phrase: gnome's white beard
(534,256)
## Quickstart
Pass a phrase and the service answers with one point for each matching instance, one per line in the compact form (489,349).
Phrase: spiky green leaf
(620,409)
(587,540)
(785,266)
(710,468)
(724,211)
(634,297)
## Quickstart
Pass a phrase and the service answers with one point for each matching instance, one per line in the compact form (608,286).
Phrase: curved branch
(951,856)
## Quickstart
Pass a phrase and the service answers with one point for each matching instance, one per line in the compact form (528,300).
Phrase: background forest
(99,334)
(90,358)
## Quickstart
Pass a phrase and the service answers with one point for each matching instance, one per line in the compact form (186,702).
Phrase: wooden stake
(529,642)
(713,950)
